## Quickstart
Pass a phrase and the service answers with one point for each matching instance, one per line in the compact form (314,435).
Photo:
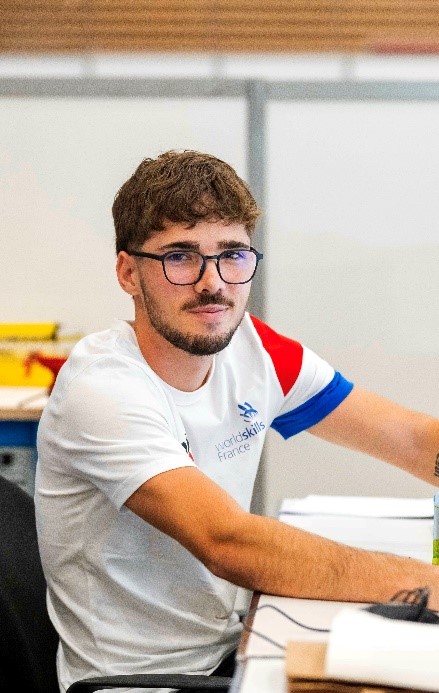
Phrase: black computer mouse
(404,611)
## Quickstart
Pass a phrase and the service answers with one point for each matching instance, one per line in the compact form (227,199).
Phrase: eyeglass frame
(163,256)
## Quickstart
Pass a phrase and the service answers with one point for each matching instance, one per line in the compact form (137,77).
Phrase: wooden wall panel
(218,25)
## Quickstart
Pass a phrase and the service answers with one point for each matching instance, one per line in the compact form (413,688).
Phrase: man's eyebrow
(232,244)
(183,245)
(192,245)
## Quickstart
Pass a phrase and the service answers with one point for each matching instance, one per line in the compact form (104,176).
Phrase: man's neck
(176,367)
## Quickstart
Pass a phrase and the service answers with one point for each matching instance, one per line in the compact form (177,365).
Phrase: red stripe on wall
(285,353)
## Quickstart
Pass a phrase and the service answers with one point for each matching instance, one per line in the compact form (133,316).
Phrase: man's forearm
(274,558)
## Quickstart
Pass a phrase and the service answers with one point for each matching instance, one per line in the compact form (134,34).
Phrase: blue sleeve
(315,409)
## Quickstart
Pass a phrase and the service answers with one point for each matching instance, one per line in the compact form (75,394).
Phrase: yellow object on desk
(28,331)
(13,371)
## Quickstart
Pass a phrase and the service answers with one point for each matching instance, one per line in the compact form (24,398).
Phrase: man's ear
(127,274)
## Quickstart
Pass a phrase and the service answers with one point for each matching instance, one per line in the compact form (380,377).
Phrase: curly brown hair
(180,187)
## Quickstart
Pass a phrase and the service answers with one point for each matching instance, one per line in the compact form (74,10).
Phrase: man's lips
(208,309)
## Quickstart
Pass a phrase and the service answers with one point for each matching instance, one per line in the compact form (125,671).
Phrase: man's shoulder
(118,342)
(105,355)
(105,377)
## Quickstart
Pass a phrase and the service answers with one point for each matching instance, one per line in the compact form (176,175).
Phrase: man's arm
(266,555)
(383,429)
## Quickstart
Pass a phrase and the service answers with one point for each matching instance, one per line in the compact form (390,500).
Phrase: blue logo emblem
(248,412)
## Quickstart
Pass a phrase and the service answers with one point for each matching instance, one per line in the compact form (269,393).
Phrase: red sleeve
(285,353)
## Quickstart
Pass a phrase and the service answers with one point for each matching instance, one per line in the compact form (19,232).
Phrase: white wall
(353,221)
(62,161)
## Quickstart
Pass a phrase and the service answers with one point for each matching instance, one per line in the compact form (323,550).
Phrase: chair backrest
(28,641)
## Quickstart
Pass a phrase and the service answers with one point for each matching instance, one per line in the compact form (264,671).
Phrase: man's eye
(179,257)
(235,255)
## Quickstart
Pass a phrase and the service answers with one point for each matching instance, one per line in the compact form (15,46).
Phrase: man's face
(200,318)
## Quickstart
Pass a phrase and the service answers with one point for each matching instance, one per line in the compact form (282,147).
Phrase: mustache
(208,300)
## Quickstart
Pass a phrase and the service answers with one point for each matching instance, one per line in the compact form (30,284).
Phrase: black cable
(282,613)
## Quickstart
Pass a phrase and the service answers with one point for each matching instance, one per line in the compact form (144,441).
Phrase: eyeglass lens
(234,266)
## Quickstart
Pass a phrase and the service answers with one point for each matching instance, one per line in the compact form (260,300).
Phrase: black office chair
(28,640)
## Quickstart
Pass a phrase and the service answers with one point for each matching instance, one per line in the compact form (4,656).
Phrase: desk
(20,411)
(260,667)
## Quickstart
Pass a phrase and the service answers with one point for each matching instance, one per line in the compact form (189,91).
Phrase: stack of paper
(359,506)
(403,526)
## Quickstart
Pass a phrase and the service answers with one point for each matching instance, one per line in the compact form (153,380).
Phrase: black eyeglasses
(184,267)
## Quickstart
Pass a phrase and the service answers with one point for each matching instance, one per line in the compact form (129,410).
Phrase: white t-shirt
(123,596)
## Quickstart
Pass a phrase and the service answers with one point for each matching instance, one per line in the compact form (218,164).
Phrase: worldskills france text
(237,444)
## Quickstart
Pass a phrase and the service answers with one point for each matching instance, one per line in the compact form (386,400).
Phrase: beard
(197,345)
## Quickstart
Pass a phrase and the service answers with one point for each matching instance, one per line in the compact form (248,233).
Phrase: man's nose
(210,279)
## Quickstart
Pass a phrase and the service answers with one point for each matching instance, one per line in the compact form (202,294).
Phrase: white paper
(368,648)
(404,537)
(360,506)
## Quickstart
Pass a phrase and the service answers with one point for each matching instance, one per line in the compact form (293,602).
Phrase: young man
(150,444)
